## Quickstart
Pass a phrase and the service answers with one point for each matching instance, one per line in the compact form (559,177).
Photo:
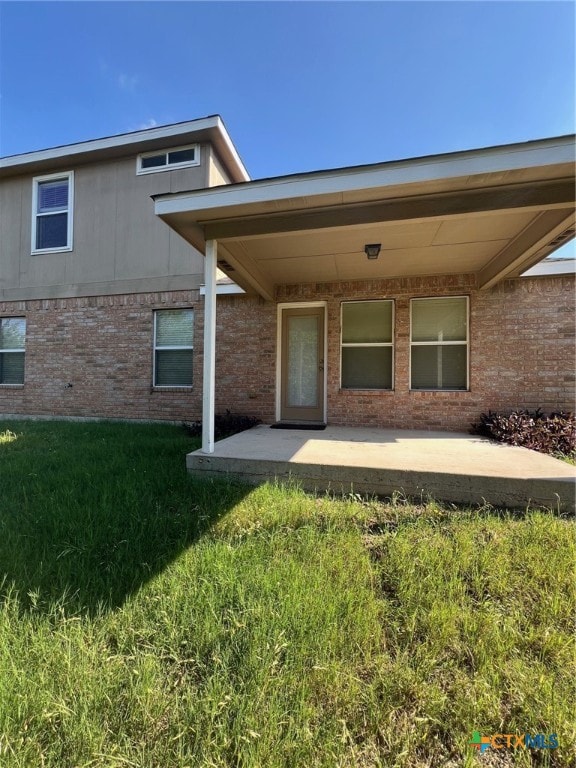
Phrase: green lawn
(152,620)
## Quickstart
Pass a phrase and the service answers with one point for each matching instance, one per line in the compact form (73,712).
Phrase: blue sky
(300,85)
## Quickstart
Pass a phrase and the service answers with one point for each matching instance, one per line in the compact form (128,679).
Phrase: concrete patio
(445,466)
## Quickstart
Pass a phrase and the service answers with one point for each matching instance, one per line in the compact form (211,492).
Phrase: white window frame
(36,181)
(22,349)
(441,343)
(168,166)
(173,348)
(368,344)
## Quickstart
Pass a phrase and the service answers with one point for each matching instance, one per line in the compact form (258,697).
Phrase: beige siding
(11,231)
(119,244)
(217,175)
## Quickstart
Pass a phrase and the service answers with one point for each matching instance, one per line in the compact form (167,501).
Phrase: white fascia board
(548,152)
(223,290)
(121,140)
(229,144)
(126,139)
(549,267)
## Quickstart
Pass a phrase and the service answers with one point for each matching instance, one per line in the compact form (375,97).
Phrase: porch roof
(492,212)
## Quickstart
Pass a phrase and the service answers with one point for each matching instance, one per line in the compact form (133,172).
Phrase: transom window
(12,341)
(439,343)
(367,344)
(173,347)
(179,157)
(52,201)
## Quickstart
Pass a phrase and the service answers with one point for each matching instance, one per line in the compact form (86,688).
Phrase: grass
(151,620)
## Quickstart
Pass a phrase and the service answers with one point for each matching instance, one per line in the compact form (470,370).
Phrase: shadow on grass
(89,512)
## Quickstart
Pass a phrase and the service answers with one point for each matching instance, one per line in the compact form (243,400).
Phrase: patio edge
(516,493)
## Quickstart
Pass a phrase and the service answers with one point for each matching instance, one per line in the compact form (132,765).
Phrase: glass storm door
(302,365)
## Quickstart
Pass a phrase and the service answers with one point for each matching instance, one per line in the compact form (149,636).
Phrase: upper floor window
(169,159)
(52,205)
(439,343)
(367,344)
(12,340)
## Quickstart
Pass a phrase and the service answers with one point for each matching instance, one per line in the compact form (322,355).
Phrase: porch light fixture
(372,250)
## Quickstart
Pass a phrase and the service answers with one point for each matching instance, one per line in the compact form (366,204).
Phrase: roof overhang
(492,212)
(207,129)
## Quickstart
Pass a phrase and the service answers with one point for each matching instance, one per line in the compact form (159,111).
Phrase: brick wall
(522,350)
(246,356)
(102,346)
(522,354)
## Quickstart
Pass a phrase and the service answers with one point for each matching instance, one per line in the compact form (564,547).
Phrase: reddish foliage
(552,434)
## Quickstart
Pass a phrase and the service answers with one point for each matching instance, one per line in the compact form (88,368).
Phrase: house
(385,295)
(100,307)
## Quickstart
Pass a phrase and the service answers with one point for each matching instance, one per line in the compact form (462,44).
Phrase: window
(439,343)
(179,157)
(367,348)
(52,201)
(12,337)
(173,346)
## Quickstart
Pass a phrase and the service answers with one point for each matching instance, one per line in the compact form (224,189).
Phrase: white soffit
(492,212)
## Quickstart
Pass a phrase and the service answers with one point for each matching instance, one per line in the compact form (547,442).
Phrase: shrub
(225,425)
(551,434)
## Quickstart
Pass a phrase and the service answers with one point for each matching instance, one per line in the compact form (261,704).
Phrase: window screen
(173,347)
(439,343)
(12,341)
(367,346)
(52,213)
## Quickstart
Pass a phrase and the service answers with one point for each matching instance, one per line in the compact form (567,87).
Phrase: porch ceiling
(493,213)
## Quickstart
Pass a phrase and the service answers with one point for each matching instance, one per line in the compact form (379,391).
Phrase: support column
(208,392)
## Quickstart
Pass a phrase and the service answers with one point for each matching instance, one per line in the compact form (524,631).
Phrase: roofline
(551,266)
(500,158)
(568,138)
(212,123)
(224,289)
